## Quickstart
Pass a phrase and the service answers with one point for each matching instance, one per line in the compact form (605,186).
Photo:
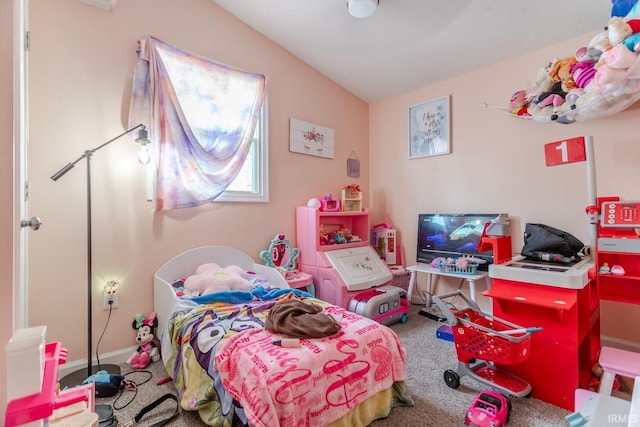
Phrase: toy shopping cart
(482,340)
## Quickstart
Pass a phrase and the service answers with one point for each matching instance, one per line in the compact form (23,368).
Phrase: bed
(227,365)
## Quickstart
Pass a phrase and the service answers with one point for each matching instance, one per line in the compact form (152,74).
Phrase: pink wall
(497,163)
(81,68)
(6,190)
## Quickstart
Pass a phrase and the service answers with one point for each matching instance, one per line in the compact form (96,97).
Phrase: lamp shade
(362,8)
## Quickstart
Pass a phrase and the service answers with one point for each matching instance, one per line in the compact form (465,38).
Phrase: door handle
(34,223)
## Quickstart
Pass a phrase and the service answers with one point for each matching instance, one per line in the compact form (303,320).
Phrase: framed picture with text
(429,128)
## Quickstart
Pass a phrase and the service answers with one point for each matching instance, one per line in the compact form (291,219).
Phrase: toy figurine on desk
(329,203)
(337,237)
(616,270)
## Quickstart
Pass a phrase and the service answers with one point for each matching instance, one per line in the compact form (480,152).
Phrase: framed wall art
(429,128)
(310,138)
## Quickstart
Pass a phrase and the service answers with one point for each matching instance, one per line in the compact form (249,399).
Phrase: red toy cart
(482,340)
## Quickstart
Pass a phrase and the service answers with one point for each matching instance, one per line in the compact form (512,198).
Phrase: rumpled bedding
(225,365)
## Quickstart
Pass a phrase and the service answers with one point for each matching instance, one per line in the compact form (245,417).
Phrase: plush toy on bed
(211,277)
(147,350)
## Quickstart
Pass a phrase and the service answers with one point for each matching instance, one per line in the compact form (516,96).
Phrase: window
(384,307)
(251,184)
(202,127)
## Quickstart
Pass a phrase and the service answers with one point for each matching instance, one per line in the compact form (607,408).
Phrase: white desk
(431,271)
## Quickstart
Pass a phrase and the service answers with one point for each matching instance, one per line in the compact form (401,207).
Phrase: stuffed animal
(633,42)
(535,110)
(593,383)
(339,237)
(561,72)
(147,350)
(556,91)
(542,84)
(211,277)
(618,30)
(614,65)
(598,44)
(585,54)
(582,73)
(519,102)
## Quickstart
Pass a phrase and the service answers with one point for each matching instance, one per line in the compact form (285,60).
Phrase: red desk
(564,352)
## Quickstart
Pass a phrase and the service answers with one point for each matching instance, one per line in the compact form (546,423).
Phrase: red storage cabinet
(564,352)
(617,244)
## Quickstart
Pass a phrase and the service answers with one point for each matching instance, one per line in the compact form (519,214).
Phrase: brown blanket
(300,320)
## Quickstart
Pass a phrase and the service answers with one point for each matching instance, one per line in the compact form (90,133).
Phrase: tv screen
(452,236)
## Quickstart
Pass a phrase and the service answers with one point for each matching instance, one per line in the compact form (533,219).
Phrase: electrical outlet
(110,300)
(110,295)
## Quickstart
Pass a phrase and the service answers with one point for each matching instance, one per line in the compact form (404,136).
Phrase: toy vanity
(340,270)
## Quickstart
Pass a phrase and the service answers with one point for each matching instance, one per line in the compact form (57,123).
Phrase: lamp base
(76,378)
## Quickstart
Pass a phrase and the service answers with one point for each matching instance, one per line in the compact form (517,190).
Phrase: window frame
(260,147)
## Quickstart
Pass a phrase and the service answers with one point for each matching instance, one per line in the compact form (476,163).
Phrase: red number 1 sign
(565,151)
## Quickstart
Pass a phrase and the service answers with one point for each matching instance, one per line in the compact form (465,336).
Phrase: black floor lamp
(79,376)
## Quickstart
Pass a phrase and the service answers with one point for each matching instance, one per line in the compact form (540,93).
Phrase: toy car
(489,409)
(386,304)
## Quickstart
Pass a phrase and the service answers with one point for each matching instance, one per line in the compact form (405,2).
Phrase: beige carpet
(427,358)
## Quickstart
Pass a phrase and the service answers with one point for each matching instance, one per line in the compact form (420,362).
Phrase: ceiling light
(362,8)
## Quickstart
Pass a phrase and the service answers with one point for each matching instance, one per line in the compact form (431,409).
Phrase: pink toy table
(299,279)
(616,361)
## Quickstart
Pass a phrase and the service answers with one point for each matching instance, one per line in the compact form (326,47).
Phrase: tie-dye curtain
(201,115)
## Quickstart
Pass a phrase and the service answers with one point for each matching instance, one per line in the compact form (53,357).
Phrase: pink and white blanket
(317,383)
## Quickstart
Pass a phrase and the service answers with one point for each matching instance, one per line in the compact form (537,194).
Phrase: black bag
(106,385)
(545,243)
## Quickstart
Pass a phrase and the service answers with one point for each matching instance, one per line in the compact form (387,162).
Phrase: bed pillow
(210,277)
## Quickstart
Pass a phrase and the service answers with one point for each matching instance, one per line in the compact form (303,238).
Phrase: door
(20,124)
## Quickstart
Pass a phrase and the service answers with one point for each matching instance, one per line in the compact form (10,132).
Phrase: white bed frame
(184,265)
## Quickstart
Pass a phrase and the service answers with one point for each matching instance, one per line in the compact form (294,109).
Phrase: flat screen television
(452,236)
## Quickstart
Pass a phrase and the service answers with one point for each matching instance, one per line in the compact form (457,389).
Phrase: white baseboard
(115,357)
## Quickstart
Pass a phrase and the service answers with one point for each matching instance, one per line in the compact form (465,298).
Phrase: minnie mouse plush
(147,351)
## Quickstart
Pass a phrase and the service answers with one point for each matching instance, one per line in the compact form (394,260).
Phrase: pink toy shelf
(339,270)
(41,406)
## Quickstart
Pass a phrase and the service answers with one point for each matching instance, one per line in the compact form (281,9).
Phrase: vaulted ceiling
(407,44)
